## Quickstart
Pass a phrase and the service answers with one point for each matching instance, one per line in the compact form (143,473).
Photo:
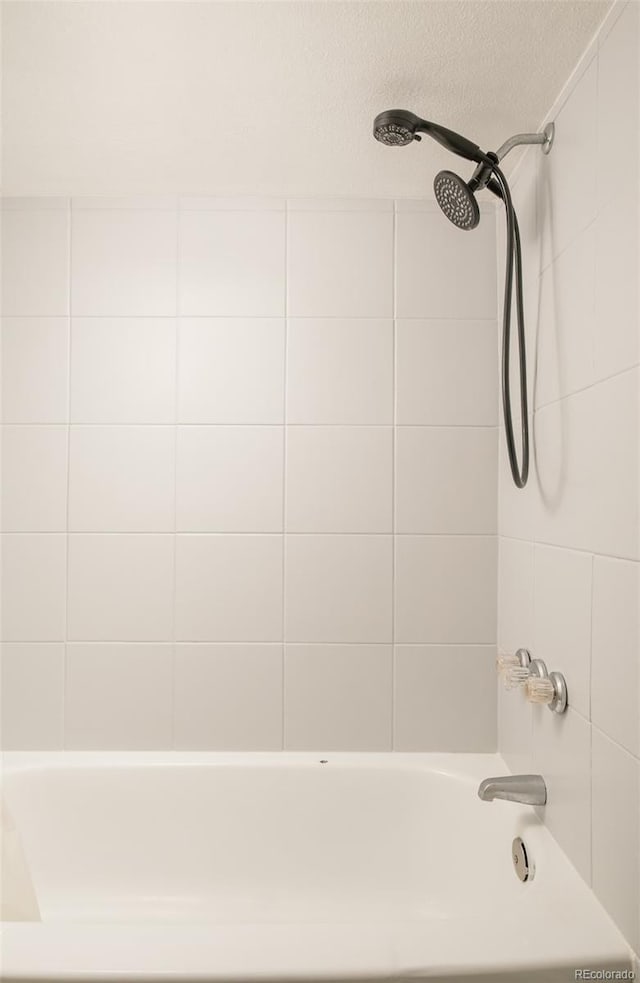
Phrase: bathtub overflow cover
(521,862)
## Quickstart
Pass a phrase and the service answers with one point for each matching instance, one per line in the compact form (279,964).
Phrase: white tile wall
(228,588)
(339,588)
(337,697)
(231,370)
(32,695)
(206,495)
(339,371)
(424,718)
(118,696)
(615,652)
(442,274)
(232,263)
(447,372)
(562,605)
(35,369)
(216,473)
(562,754)
(228,697)
(120,587)
(569,570)
(35,259)
(123,262)
(33,587)
(121,479)
(445,589)
(446,480)
(566,326)
(616,833)
(34,479)
(123,370)
(340,264)
(339,479)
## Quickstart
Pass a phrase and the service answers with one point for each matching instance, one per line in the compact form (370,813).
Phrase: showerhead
(396,127)
(457,200)
(399,127)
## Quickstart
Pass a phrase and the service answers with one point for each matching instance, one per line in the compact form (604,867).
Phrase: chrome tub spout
(528,789)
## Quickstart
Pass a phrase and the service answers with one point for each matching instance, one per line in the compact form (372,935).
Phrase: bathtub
(208,866)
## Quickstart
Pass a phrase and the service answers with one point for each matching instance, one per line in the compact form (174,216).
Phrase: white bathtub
(281,867)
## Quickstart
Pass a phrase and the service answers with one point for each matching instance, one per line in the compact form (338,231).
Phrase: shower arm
(545,139)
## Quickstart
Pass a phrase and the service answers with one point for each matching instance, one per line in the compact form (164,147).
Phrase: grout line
(584,389)
(394,455)
(612,740)
(246,317)
(176,379)
(570,549)
(593,564)
(285,384)
(65,671)
(273,426)
(272,643)
(271,534)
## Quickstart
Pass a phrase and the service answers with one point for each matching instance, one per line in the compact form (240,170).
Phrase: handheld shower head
(457,200)
(399,127)
(396,127)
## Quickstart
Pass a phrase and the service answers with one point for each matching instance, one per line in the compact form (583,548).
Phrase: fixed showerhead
(457,200)
(399,127)
(396,127)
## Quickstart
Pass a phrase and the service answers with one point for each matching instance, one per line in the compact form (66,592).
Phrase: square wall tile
(563,354)
(232,263)
(338,697)
(228,697)
(430,255)
(123,370)
(121,479)
(33,587)
(230,479)
(118,697)
(434,493)
(123,262)
(34,479)
(447,372)
(339,479)
(515,729)
(339,371)
(616,333)
(445,589)
(562,604)
(339,264)
(120,587)
(618,105)
(231,370)
(229,588)
(35,369)
(615,682)
(32,697)
(562,753)
(35,261)
(338,588)
(515,595)
(567,188)
(424,718)
(587,468)
(616,834)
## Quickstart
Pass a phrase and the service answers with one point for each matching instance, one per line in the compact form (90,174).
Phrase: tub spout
(528,789)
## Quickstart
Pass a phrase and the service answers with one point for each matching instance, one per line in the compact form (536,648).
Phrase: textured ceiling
(269,97)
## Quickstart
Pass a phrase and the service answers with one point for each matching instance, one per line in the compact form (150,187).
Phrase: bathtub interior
(288,866)
(316,840)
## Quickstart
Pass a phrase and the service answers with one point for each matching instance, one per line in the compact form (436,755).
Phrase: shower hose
(520,472)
